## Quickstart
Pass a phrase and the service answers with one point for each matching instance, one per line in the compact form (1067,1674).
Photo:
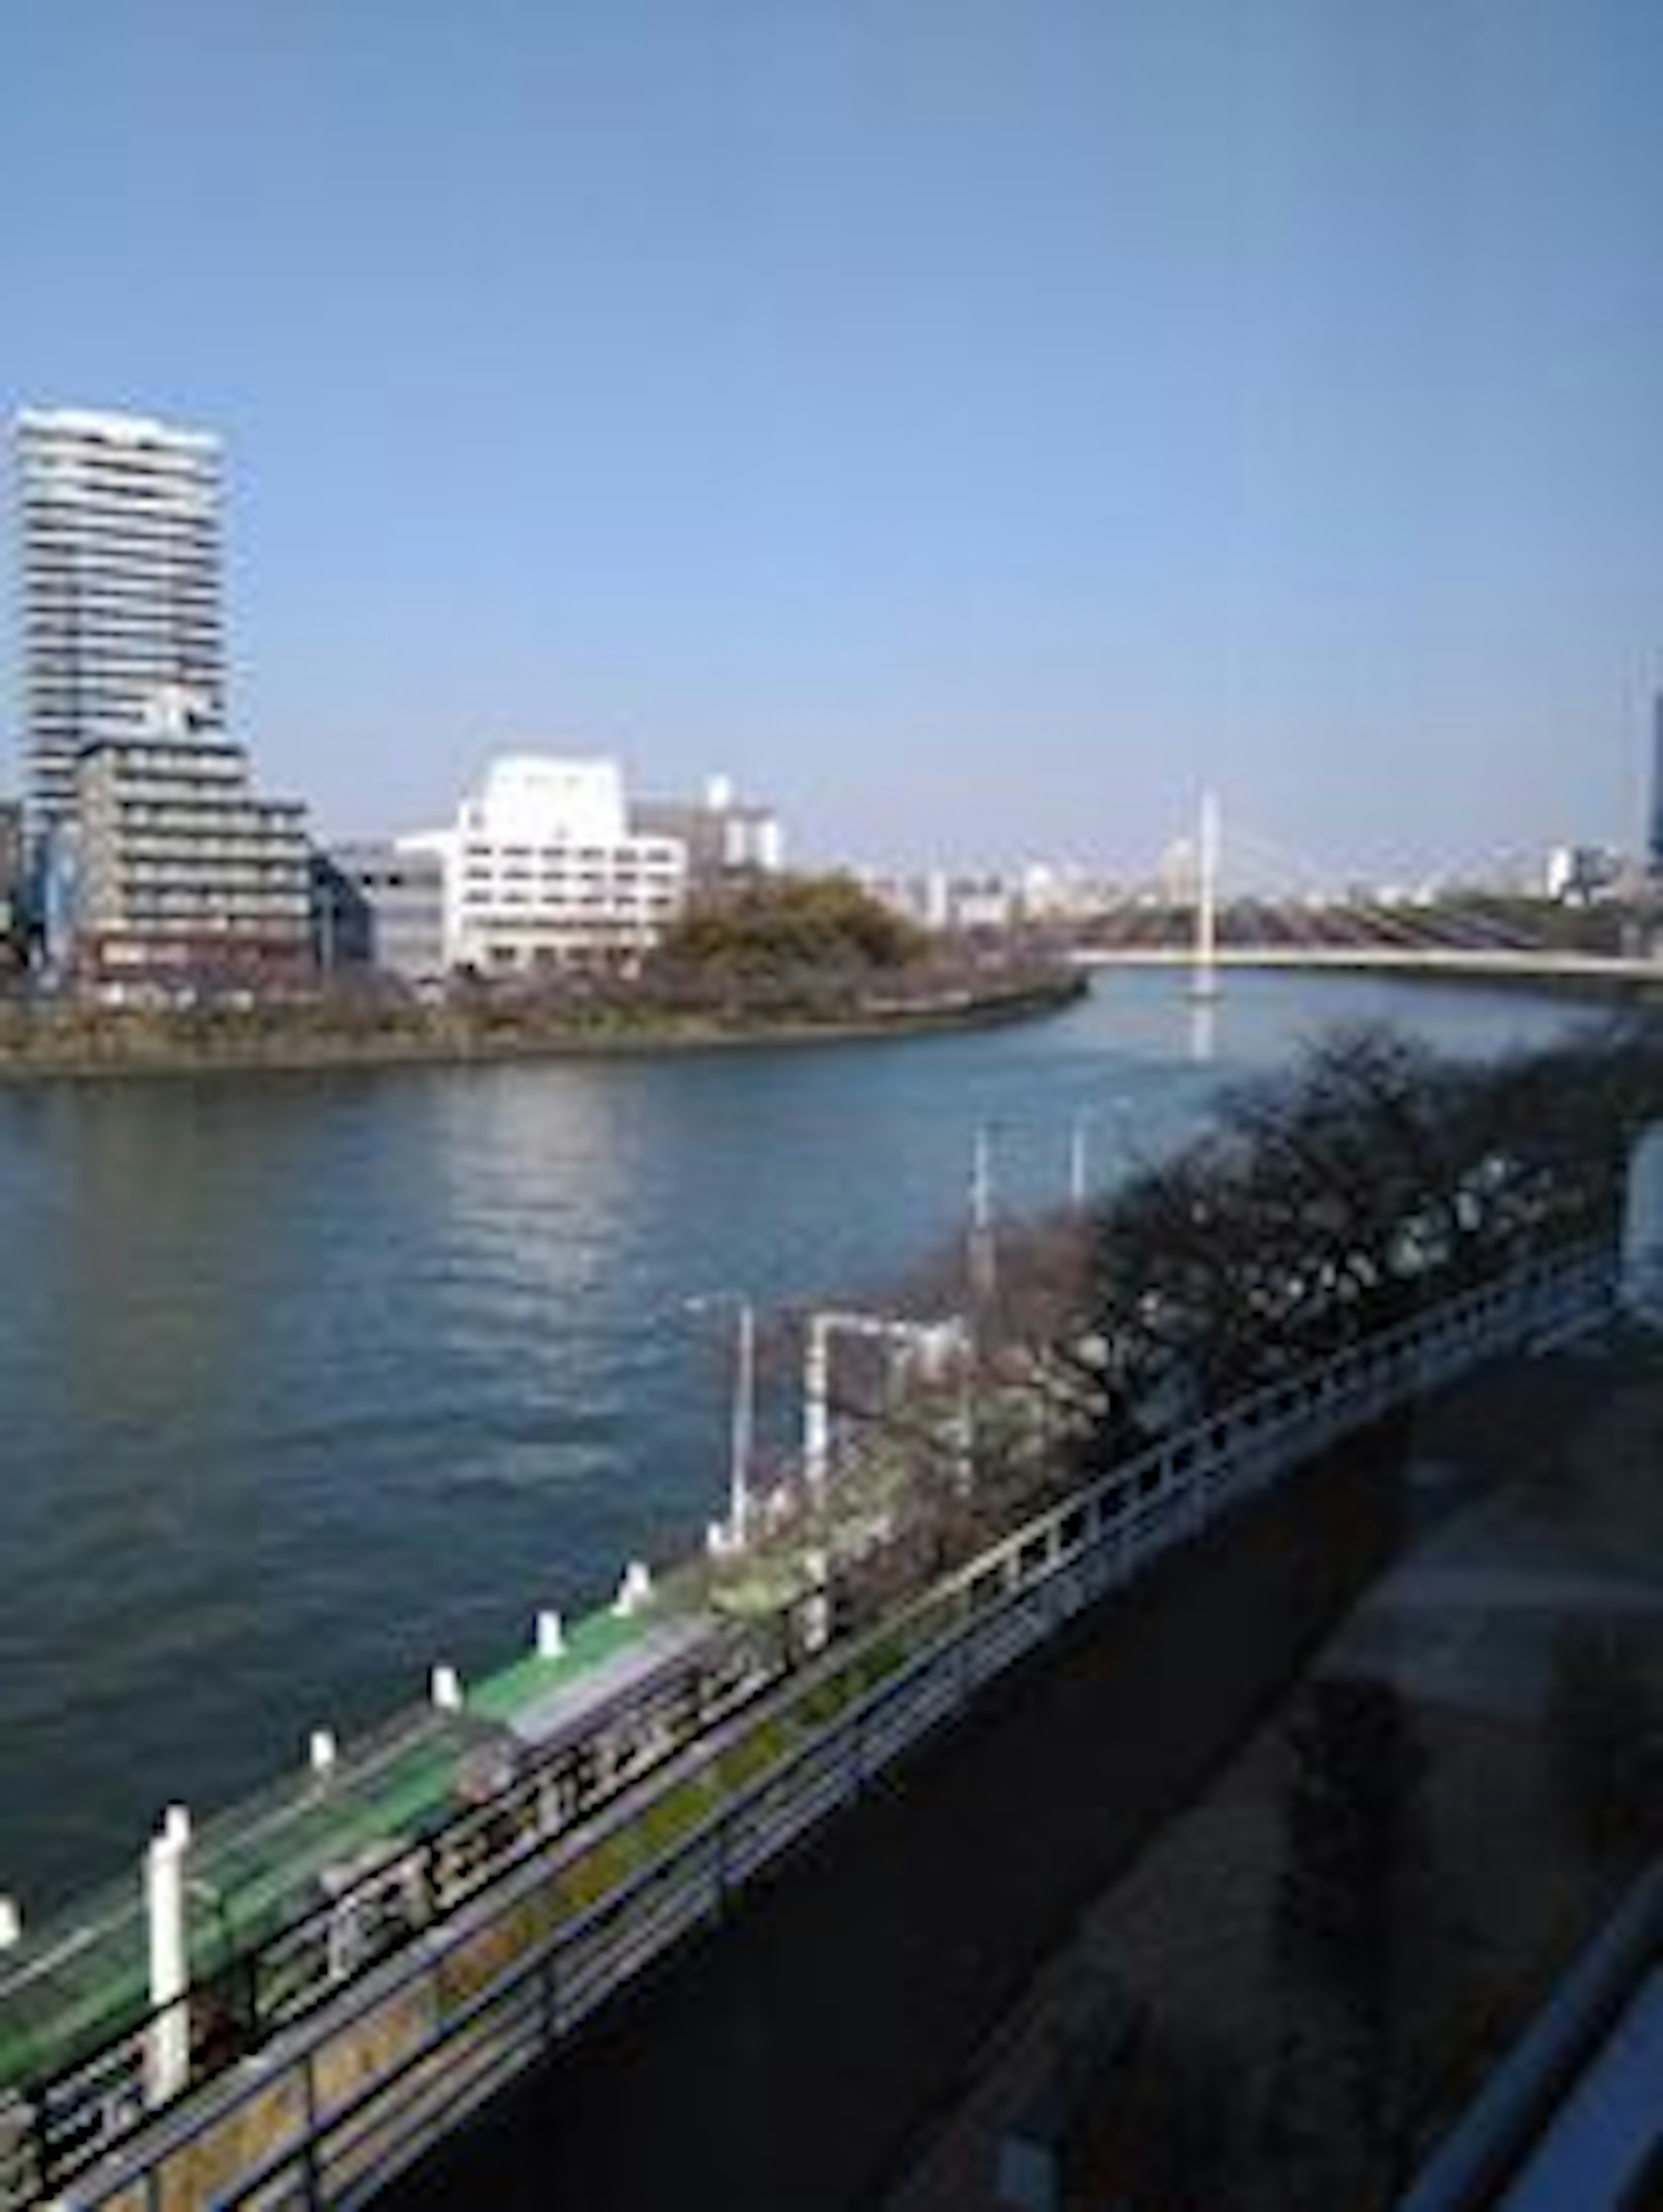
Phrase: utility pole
(933,1341)
(743,1429)
(742,1416)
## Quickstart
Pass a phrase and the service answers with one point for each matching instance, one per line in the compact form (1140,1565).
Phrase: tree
(772,926)
(1333,1201)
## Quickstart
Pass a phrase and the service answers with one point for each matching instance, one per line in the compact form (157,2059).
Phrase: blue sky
(974,426)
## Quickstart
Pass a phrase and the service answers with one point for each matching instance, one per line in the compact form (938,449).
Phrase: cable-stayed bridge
(1242,901)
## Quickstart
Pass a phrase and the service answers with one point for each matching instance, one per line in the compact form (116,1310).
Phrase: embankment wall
(789,2058)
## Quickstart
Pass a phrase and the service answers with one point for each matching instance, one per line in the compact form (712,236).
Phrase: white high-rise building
(120,585)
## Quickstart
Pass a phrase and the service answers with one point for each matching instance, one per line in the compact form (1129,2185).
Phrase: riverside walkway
(331,2108)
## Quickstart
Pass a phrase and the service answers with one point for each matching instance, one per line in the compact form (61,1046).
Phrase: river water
(307,1382)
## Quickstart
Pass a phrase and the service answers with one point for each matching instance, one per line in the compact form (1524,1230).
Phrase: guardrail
(332,2109)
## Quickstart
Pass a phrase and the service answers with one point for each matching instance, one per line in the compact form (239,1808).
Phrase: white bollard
(167,2046)
(320,1750)
(446,1690)
(634,1591)
(11,1922)
(550,1637)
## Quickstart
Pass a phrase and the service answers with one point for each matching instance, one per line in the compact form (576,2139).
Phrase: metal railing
(332,2108)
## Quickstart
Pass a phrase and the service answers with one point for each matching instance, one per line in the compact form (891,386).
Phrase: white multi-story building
(120,585)
(542,871)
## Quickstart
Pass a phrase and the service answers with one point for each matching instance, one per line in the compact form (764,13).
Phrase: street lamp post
(742,1421)
(930,1339)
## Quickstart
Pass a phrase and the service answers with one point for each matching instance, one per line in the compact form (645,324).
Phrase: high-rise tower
(1654,842)
(120,580)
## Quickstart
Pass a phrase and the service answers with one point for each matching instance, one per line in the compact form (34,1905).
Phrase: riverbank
(77,1043)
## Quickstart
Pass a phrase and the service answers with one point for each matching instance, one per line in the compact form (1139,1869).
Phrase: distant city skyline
(975,430)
